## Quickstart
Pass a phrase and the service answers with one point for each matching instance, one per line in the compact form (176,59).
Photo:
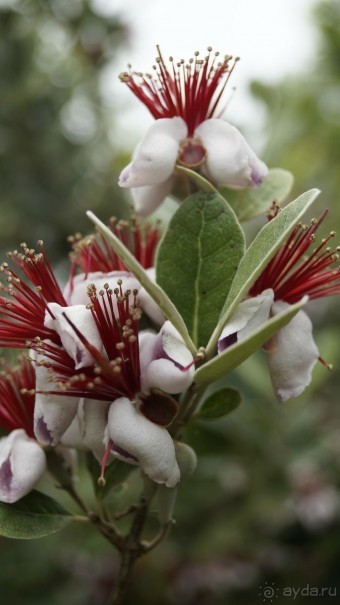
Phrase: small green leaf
(258,255)
(219,404)
(252,202)
(115,474)
(197,260)
(234,355)
(156,293)
(34,516)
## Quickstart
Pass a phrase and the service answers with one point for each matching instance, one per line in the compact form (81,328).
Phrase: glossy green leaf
(197,260)
(115,474)
(252,202)
(219,404)
(34,516)
(234,355)
(258,255)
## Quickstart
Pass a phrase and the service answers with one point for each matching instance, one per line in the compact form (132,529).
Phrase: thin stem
(131,551)
(107,530)
(76,497)
(163,533)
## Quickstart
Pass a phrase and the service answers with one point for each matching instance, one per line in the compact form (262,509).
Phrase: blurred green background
(264,504)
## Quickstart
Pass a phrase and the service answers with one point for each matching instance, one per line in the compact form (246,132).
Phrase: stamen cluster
(93,253)
(189,90)
(17,396)
(23,307)
(116,372)
(292,275)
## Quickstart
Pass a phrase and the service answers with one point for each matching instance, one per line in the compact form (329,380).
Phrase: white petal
(163,357)
(174,345)
(163,374)
(147,199)
(76,290)
(53,414)
(95,422)
(230,160)
(292,355)
(148,304)
(82,318)
(248,317)
(88,427)
(22,464)
(146,441)
(155,157)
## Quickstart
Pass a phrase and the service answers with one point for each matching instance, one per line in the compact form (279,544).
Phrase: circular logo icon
(268,592)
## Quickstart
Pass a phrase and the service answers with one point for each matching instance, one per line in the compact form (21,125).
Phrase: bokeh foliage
(263,505)
(56,153)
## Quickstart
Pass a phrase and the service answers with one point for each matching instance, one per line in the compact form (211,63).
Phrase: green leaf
(115,474)
(234,355)
(197,260)
(34,516)
(219,404)
(258,255)
(254,201)
(156,293)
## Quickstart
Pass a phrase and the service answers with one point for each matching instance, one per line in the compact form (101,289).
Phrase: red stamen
(329,366)
(23,308)
(93,253)
(292,275)
(17,396)
(114,375)
(190,90)
(101,480)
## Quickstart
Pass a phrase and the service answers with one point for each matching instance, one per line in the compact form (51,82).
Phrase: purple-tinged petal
(166,362)
(22,464)
(230,161)
(53,414)
(248,317)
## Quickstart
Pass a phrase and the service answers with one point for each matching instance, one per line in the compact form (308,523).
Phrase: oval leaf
(234,355)
(258,255)
(219,404)
(34,516)
(252,202)
(197,260)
